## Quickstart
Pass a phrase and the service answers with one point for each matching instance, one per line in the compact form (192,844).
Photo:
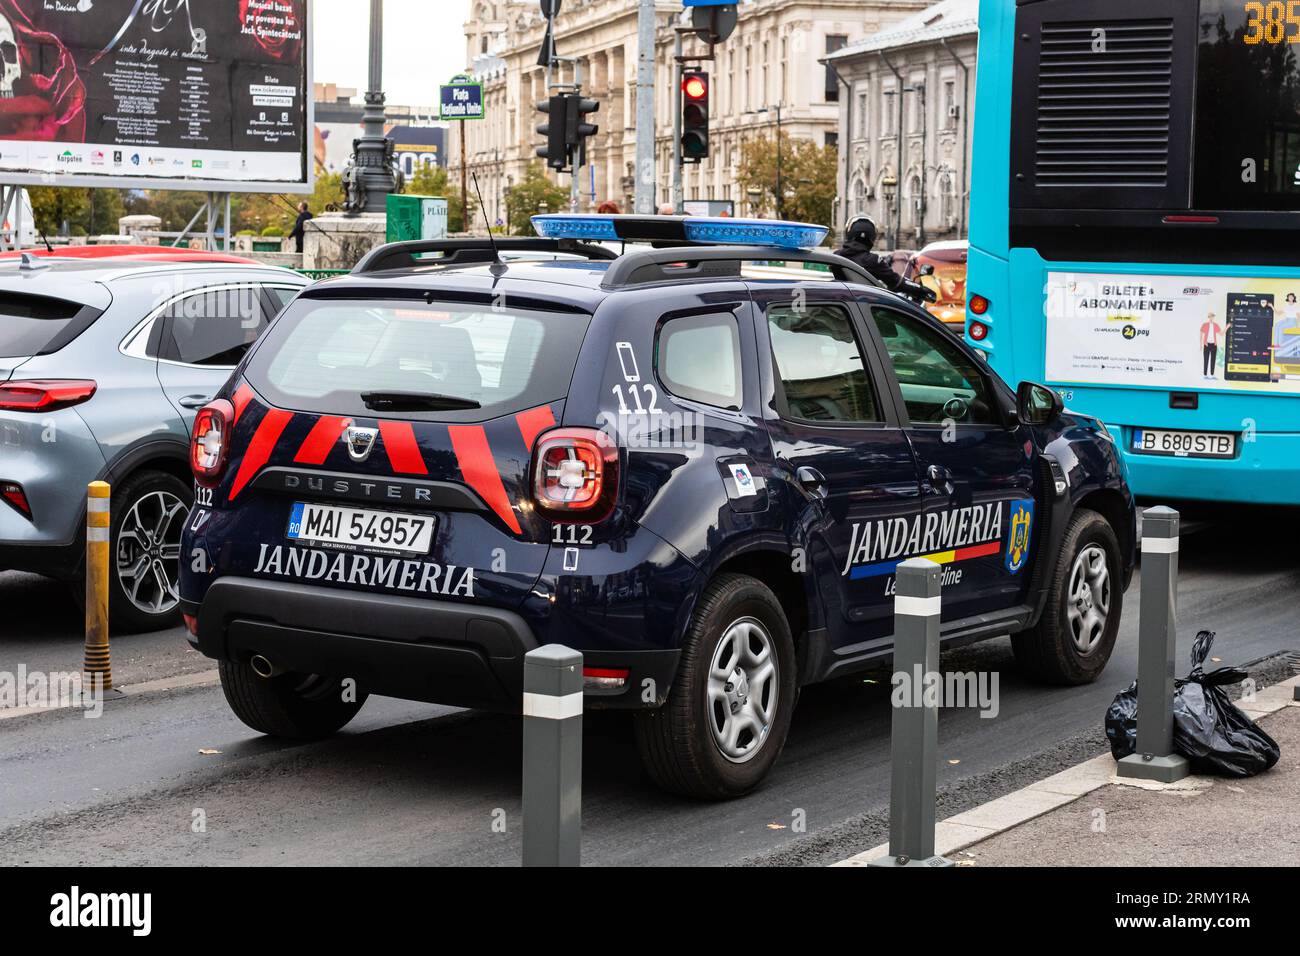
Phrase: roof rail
(418,252)
(643,266)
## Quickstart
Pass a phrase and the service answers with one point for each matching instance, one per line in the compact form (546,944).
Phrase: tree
(175,209)
(52,206)
(328,193)
(807,177)
(432,180)
(526,198)
(85,211)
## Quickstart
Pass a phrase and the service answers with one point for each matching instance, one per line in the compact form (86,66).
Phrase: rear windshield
(37,325)
(325,355)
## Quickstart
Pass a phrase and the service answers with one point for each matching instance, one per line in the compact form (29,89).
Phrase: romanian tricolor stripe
(943,557)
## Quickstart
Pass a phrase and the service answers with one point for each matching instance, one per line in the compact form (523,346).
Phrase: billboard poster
(415,147)
(1176,332)
(172,93)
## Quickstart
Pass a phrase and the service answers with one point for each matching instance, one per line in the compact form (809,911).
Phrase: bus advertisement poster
(1180,332)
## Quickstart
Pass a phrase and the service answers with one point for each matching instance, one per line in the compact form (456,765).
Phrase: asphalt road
(414,784)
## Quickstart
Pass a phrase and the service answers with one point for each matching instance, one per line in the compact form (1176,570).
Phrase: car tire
(684,744)
(1075,636)
(295,706)
(144,499)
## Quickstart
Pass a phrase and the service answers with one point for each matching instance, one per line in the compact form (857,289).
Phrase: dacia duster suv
(702,480)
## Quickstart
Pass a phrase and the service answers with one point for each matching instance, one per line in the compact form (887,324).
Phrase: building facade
(905,125)
(771,61)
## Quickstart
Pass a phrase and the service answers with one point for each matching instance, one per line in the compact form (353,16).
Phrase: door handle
(940,478)
(812,481)
(194,401)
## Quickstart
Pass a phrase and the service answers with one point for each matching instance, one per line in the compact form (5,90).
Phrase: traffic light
(695,116)
(555,152)
(577,129)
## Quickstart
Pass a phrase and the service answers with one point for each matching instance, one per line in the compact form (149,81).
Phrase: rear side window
(699,359)
(38,325)
(281,296)
(326,354)
(213,327)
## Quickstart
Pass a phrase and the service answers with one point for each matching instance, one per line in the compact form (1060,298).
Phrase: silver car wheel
(1089,599)
(743,689)
(148,549)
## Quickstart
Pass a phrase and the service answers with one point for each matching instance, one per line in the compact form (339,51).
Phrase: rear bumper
(435,651)
(55,561)
(1263,473)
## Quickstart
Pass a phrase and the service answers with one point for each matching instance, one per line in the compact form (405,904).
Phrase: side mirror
(927,270)
(1037,404)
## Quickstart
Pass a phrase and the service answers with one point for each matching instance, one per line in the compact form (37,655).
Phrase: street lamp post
(370,175)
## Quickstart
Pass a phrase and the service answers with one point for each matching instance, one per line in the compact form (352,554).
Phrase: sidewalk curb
(997,816)
(179,682)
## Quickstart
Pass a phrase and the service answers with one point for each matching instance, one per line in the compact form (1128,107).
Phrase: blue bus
(1135,229)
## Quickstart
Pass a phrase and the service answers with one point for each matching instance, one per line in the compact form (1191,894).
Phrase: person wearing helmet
(859,237)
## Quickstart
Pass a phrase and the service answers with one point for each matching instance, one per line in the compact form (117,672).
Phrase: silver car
(103,365)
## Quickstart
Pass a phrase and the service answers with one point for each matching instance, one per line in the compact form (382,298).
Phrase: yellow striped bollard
(98,668)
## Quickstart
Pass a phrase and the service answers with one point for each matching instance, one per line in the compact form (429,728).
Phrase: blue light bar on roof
(707,230)
(593,228)
(754,232)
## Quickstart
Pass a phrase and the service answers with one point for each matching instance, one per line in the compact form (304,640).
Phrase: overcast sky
(424,45)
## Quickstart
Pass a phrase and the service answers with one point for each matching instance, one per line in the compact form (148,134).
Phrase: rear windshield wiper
(416,402)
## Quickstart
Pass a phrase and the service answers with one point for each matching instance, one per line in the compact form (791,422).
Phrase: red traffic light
(695,87)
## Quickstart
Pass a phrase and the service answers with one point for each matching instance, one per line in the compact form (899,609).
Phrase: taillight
(979,305)
(45,395)
(13,493)
(575,474)
(978,331)
(210,441)
(191,623)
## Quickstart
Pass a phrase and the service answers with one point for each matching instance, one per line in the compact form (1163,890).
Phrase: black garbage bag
(1121,722)
(1209,729)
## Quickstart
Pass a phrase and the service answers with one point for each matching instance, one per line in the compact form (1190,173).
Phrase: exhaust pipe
(263,667)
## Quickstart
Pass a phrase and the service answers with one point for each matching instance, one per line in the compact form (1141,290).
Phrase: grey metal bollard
(552,757)
(914,734)
(1157,636)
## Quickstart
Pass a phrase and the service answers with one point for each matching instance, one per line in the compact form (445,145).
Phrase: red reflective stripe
(258,453)
(321,439)
(403,450)
(243,395)
(474,456)
(533,422)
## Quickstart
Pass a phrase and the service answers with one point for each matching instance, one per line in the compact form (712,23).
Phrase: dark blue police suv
(699,470)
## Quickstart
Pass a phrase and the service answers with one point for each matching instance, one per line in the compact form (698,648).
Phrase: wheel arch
(1111,504)
(775,568)
(168,456)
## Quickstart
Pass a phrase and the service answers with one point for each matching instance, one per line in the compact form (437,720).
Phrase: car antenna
(498,267)
(48,248)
